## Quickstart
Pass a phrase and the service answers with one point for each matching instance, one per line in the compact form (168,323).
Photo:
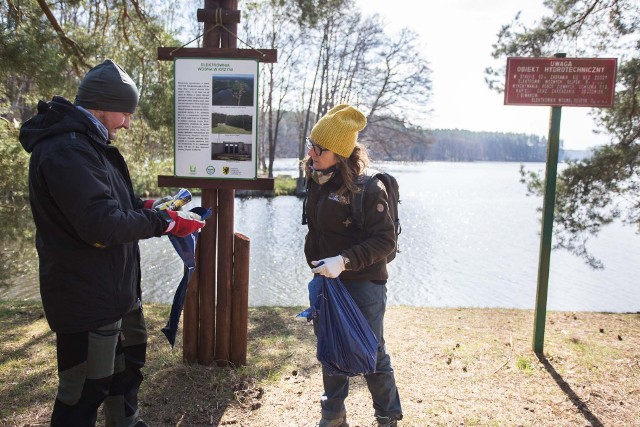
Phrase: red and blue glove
(182,223)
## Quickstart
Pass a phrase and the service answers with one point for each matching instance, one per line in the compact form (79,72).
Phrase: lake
(470,238)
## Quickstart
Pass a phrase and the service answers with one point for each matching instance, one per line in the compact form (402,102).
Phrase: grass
(226,129)
(454,367)
(524,364)
(285,185)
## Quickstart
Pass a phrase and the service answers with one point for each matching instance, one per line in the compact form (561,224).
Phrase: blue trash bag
(315,287)
(346,343)
(186,249)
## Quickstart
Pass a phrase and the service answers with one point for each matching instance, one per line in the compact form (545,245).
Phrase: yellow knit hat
(338,129)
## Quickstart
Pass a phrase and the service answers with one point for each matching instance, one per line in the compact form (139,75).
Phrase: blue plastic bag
(186,249)
(315,287)
(346,343)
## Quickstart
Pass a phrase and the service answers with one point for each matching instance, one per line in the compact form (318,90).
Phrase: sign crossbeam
(262,55)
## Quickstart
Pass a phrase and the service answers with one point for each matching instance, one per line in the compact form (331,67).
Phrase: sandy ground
(476,367)
(454,367)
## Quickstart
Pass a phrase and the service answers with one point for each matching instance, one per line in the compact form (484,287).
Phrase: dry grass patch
(462,367)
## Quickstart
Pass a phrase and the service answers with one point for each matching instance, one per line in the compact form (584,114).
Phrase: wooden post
(207,259)
(225,236)
(207,275)
(198,335)
(208,308)
(190,323)
(239,300)
(211,37)
(228,40)
(225,265)
(208,319)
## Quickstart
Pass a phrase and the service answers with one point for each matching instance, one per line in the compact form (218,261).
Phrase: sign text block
(575,82)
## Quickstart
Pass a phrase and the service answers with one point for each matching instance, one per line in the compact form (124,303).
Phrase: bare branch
(69,45)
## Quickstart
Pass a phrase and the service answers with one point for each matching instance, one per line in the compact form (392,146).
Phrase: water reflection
(470,239)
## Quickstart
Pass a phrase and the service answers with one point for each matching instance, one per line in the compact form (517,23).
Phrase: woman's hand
(329,267)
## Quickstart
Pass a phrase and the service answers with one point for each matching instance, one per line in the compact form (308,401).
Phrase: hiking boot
(386,422)
(141,423)
(338,422)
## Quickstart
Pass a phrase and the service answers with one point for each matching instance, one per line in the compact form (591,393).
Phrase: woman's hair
(349,168)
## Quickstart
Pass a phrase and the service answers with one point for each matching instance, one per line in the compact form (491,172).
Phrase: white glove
(329,267)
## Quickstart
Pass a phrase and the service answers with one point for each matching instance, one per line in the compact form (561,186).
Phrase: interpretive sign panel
(575,82)
(215,118)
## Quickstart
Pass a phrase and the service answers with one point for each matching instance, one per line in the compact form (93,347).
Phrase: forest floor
(453,367)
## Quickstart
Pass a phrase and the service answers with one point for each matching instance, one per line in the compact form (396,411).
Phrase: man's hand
(329,267)
(183,223)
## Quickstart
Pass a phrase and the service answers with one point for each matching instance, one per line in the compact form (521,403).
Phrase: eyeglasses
(316,148)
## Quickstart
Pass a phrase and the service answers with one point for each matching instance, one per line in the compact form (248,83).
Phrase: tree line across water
(455,145)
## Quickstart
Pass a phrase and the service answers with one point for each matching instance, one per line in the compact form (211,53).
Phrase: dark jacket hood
(55,117)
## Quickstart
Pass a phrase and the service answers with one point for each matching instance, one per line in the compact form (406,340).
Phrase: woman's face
(321,157)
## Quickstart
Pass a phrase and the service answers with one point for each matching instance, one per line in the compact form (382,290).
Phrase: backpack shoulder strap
(304,202)
(357,204)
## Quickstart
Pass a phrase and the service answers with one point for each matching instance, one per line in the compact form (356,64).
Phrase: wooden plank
(220,184)
(239,301)
(263,55)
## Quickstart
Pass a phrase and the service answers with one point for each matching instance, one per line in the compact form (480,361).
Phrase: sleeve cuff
(170,223)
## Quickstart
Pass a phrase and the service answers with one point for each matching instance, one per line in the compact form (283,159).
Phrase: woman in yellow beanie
(334,247)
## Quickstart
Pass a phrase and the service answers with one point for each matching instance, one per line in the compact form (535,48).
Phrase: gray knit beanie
(107,87)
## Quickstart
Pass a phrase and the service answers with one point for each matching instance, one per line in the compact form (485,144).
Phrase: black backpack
(393,193)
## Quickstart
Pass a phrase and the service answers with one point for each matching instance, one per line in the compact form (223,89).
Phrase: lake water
(470,238)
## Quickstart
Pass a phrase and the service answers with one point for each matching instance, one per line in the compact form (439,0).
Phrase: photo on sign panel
(232,90)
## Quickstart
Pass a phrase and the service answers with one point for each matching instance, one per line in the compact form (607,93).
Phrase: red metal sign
(574,82)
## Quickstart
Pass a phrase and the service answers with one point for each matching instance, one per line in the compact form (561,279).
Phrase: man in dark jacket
(88,223)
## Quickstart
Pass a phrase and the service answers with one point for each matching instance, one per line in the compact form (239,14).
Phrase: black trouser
(102,365)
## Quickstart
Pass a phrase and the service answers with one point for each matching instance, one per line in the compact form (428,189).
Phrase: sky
(456,37)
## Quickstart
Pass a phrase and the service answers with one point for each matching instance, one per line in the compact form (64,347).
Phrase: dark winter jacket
(87,219)
(332,230)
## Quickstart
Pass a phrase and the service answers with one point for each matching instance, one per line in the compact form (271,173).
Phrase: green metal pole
(548,207)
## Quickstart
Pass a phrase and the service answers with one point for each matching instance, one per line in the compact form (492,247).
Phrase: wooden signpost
(216,307)
(556,82)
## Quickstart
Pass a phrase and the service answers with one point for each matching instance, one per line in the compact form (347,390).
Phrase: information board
(215,118)
(575,82)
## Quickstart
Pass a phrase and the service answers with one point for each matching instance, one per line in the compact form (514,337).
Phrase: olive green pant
(101,366)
